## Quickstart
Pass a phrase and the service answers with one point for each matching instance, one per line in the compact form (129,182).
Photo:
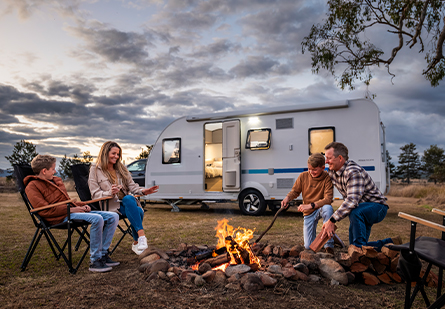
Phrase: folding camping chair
(80,174)
(429,249)
(44,228)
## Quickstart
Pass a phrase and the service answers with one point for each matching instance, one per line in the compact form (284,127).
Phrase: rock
(190,277)
(310,259)
(254,267)
(324,255)
(150,251)
(209,276)
(177,271)
(204,267)
(199,281)
(334,282)
(170,274)
(183,275)
(162,275)
(233,286)
(251,282)
(299,276)
(295,250)
(275,269)
(237,269)
(267,280)
(151,276)
(351,277)
(158,265)
(234,278)
(302,268)
(182,247)
(332,270)
(220,277)
(314,278)
(150,258)
(268,250)
(289,272)
(143,267)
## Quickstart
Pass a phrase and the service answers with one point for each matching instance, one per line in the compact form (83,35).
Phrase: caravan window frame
(315,129)
(179,150)
(268,142)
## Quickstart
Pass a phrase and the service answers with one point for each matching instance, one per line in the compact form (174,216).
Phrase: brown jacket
(100,186)
(314,190)
(42,192)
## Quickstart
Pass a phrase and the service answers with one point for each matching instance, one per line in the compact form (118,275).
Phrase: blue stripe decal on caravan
(292,170)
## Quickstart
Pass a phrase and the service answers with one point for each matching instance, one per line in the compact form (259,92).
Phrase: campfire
(233,248)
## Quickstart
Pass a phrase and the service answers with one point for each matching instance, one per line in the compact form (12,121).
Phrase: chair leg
(439,303)
(124,232)
(439,283)
(421,282)
(408,295)
(32,246)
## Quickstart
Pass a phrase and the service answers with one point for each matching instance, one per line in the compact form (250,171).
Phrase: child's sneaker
(99,266)
(142,243)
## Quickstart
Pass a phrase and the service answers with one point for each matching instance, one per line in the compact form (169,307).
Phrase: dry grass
(427,192)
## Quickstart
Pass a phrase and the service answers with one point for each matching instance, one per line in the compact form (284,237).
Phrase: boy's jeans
(361,220)
(310,225)
(103,226)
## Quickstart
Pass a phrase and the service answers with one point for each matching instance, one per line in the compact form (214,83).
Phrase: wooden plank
(438,211)
(53,205)
(422,221)
(319,242)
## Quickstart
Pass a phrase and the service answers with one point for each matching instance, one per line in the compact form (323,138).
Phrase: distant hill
(3,173)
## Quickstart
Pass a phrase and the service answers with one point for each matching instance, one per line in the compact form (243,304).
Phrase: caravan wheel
(252,203)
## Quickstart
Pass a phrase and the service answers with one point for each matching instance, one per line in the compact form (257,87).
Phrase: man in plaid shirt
(362,200)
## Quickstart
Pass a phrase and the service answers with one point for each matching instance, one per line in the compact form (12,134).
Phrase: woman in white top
(110,177)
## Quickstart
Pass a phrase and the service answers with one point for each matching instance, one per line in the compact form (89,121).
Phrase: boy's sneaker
(99,266)
(109,261)
(134,247)
(142,243)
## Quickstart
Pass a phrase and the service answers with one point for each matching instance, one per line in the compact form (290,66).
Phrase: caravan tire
(252,203)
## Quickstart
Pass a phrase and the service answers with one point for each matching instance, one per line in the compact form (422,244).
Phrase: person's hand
(328,228)
(115,189)
(304,207)
(285,203)
(80,209)
(150,190)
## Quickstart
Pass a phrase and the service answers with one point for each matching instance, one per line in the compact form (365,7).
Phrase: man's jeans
(134,213)
(361,220)
(310,225)
(103,226)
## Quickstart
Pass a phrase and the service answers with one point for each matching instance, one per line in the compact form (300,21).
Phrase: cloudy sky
(76,73)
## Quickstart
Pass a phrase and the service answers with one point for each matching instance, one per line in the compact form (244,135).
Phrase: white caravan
(255,156)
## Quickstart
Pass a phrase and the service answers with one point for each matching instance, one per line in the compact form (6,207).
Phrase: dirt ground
(46,283)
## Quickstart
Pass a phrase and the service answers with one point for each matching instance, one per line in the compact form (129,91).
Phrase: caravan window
(319,138)
(171,150)
(258,139)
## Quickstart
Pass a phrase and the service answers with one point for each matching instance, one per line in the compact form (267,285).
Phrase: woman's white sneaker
(142,243)
(134,247)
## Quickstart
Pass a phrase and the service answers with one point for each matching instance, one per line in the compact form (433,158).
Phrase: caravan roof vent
(284,123)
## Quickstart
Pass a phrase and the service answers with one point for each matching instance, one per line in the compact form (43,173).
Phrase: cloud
(259,66)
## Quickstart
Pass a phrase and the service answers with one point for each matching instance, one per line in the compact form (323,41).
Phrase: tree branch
(419,26)
(439,51)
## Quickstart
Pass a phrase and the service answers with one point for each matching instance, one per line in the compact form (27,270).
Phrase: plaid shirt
(356,186)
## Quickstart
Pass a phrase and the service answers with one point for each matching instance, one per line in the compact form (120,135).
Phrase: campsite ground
(47,283)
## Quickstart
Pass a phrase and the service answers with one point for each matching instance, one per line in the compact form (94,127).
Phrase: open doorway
(213,157)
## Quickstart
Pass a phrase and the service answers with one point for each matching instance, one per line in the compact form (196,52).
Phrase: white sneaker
(134,247)
(142,243)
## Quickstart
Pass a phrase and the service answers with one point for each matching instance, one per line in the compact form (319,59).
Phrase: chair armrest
(52,205)
(98,199)
(438,211)
(422,221)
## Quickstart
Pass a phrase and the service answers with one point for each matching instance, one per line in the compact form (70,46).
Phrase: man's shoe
(142,243)
(135,249)
(397,240)
(99,266)
(109,261)
(329,250)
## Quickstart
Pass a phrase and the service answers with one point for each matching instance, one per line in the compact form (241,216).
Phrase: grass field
(47,283)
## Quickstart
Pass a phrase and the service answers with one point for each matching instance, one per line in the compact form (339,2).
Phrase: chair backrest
(20,173)
(81,172)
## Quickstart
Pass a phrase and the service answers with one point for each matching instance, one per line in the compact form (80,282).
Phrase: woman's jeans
(310,225)
(103,226)
(134,213)
(361,220)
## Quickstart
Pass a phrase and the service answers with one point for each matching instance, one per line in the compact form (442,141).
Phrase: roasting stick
(274,218)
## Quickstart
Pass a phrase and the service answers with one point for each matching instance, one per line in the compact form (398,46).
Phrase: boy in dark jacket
(45,189)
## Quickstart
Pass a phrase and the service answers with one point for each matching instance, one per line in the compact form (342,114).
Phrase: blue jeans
(361,220)
(310,225)
(134,213)
(103,226)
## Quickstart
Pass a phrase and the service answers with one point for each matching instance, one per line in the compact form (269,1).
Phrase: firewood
(369,252)
(389,253)
(320,241)
(364,260)
(370,279)
(383,259)
(394,276)
(355,253)
(358,267)
(344,259)
(378,267)
(220,259)
(394,263)
(384,278)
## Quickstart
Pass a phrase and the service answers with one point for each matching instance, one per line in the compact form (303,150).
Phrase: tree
(439,173)
(66,163)
(23,152)
(342,41)
(390,166)
(432,157)
(409,163)
(144,154)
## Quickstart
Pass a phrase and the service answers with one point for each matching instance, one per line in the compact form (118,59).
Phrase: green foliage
(341,42)
(390,166)
(66,163)
(439,173)
(23,152)
(145,152)
(432,157)
(409,163)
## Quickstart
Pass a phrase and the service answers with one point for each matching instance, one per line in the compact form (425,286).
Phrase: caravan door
(231,154)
